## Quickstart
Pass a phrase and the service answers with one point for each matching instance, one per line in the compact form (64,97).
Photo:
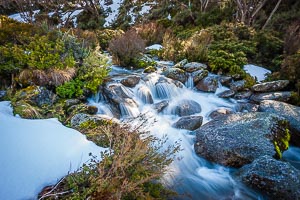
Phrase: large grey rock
(117,93)
(243,95)
(181,63)
(189,122)
(160,106)
(288,111)
(238,85)
(226,94)
(186,107)
(193,66)
(270,86)
(220,112)
(238,139)
(131,81)
(199,75)
(208,84)
(81,118)
(225,80)
(277,96)
(277,179)
(246,107)
(176,74)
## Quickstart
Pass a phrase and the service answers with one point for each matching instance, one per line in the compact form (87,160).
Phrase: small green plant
(70,89)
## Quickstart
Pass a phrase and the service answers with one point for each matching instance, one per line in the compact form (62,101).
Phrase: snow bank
(256,71)
(37,153)
(154,47)
(113,11)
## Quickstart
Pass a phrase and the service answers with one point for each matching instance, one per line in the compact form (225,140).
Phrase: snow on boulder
(256,71)
(37,153)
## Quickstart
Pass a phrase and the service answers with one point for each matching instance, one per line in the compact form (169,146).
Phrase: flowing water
(192,176)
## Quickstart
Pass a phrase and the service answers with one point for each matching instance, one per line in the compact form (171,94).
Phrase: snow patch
(256,71)
(113,11)
(155,47)
(37,153)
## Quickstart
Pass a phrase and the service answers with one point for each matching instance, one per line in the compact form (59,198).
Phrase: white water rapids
(192,176)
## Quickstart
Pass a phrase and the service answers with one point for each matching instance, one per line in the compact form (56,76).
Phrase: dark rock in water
(225,80)
(186,107)
(193,66)
(238,85)
(176,74)
(2,94)
(72,102)
(243,95)
(92,110)
(181,63)
(131,81)
(277,179)
(270,86)
(208,84)
(116,93)
(290,112)
(246,107)
(220,112)
(150,69)
(277,96)
(159,107)
(226,94)
(199,75)
(238,139)
(189,122)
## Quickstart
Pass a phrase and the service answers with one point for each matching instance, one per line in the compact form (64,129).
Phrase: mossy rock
(26,111)
(150,69)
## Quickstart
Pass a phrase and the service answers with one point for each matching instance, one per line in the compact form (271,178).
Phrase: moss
(281,138)
(26,110)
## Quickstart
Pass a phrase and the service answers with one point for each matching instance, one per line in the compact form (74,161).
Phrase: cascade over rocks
(270,86)
(208,84)
(176,74)
(199,75)
(277,179)
(116,92)
(189,122)
(277,96)
(193,66)
(288,111)
(186,107)
(238,139)
(131,81)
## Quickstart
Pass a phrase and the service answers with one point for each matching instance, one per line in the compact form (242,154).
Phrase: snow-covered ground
(37,153)
(114,11)
(256,71)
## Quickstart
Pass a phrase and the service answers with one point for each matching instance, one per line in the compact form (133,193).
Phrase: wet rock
(225,80)
(220,112)
(208,84)
(199,75)
(277,96)
(176,74)
(277,179)
(131,81)
(246,107)
(189,122)
(150,69)
(270,86)
(226,94)
(186,107)
(159,107)
(193,66)
(72,102)
(290,112)
(92,110)
(181,63)
(2,95)
(238,85)
(238,139)
(243,95)
(116,93)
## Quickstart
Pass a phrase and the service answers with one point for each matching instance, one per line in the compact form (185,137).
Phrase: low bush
(151,32)
(130,169)
(127,48)
(106,35)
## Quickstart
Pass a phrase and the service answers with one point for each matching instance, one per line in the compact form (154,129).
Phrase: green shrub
(71,89)
(127,48)
(105,36)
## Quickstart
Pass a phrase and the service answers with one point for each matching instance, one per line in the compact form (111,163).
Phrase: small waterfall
(189,82)
(221,88)
(99,101)
(145,95)
(129,109)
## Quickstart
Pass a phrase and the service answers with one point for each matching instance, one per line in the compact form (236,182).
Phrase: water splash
(190,82)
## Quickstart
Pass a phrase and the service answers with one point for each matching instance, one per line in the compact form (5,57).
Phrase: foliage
(151,32)
(130,169)
(70,89)
(290,68)
(106,35)
(173,47)
(87,20)
(127,48)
